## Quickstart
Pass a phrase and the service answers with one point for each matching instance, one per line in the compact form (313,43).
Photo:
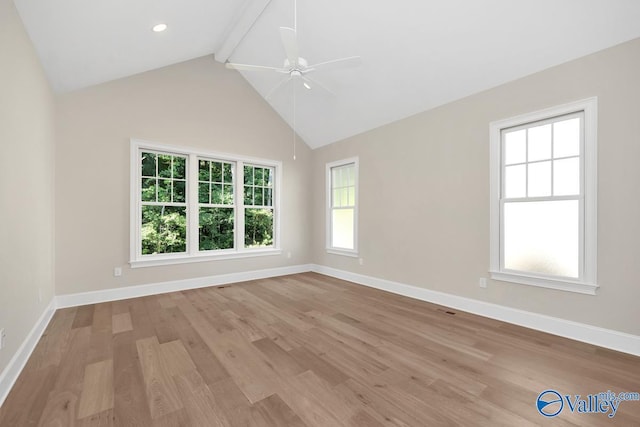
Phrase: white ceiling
(417,54)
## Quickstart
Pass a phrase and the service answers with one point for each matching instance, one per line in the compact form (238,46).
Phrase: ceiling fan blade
(249,67)
(349,62)
(290,43)
(277,87)
(314,82)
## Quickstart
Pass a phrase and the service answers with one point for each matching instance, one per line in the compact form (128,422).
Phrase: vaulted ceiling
(416,54)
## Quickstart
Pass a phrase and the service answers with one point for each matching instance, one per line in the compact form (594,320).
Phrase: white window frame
(329,225)
(193,254)
(586,283)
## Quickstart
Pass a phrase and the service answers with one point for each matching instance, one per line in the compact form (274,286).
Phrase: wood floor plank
(84,316)
(162,394)
(130,400)
(121,323)
(60,410)
(278,413)
(198,400)
(303,350)
(97,389)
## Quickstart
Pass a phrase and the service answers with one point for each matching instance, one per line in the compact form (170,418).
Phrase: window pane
(336,177)
(203,192)
(164,165)
(566,177)
(336,199)
(258,196)
(228,172)
(148,164)
(539,179)
(248,175)
(204,170)
(515,181)
(542,237)
(179,192)
(352,196)
(352,175)
(216,229)
(344,197)
(164,229)
(539,143)
(179,167)
(566,138)
(216,172)
(148,190)
(216,194)
(268,177)
(248,195)
(258,226)
(269,197)
(164,190)
(342,228)
(515,147)
(227,195)
(257,177)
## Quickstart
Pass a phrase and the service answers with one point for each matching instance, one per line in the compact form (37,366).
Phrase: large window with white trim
(544,198)
(342,207)
(194,206)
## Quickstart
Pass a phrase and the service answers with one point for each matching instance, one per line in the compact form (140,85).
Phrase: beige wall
(196,104)
(424,192)
(26,184)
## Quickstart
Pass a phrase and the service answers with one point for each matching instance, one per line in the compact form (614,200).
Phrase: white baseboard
(607,338)
(20,358)
(94,297)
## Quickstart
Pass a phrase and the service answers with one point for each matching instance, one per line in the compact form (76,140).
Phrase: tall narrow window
(216,205)
(163,203)
(258,206)
(543,191)
(342,196)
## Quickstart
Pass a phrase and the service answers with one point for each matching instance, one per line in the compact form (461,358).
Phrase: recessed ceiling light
(306,85)
(158,28)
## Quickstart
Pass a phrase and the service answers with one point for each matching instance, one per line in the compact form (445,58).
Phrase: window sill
(185,259)
(345,252)
(545,282)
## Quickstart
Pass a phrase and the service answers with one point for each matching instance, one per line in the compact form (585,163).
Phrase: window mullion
(193,208)
(238,187)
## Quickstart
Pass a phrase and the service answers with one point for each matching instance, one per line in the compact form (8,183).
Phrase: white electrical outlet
(2,337)
(361,261)
(117,272)
(288,254)
(482,282)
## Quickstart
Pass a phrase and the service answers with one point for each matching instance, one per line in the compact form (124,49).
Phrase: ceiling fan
(296,67)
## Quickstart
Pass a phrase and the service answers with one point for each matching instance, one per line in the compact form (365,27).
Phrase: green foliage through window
(164,203)
(164,229)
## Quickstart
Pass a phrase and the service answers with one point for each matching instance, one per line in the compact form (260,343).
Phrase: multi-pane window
(163,203)
(189,205)
(258,205)
(342,190)
(545,198)
(541,197)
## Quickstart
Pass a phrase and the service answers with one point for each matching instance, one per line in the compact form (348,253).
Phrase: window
(342,202)
(189,206)
(543,198)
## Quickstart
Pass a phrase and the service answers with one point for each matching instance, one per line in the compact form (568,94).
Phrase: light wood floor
(303,350)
